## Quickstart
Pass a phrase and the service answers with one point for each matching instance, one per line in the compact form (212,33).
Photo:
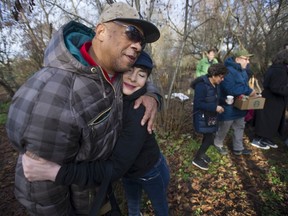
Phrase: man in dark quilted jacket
(71,109)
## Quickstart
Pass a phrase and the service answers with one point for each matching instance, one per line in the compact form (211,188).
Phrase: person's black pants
(207,140)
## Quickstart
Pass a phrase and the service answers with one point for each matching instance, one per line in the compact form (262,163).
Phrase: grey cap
(124,12)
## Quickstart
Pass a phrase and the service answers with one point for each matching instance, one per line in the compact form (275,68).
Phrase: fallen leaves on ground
(233,185)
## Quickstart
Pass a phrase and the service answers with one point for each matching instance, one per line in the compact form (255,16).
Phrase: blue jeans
(154,183)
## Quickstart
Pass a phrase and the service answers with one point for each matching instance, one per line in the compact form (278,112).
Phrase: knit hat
(145,61)
(243,52)
(123,12)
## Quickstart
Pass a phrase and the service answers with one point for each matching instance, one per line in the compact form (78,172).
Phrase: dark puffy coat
(135,152)
(66,112)
(205,104)
(269,122)
(235,83)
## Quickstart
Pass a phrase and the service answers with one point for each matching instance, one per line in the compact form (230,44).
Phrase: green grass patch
(3,118)
(272,200)
(4,107)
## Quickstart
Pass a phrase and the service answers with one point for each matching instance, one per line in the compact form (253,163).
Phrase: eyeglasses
(246,59)
(133,34)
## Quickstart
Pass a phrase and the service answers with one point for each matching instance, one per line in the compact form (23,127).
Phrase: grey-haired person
(71,109)
(235,84)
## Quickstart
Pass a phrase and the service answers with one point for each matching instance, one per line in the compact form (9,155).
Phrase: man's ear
(100,30)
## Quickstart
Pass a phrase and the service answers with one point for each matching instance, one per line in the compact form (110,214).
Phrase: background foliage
(255,185)
(188,29)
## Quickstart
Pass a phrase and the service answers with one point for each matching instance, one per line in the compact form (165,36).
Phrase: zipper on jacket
(100,118)
(102,83)
(94,70)
(90,199)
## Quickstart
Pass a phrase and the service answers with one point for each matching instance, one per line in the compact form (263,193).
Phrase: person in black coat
(269,121)
(206,109)
(136,156)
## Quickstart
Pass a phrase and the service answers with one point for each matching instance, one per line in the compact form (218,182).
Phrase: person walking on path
(235,84)
(206,109)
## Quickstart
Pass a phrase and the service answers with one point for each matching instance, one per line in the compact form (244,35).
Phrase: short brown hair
(211,50)
(217,69)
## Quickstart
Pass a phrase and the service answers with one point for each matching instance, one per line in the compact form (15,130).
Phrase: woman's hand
(219,109)
(38,169)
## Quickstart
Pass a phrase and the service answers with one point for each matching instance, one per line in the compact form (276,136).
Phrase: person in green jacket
(205,63)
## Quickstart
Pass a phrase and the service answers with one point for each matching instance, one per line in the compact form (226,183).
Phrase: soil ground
(233,188)
(9,206)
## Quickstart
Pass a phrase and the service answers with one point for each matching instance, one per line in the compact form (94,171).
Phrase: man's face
(243,61)
(121,46)
(217,79)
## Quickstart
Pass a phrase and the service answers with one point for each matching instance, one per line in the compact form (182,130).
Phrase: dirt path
(233,186)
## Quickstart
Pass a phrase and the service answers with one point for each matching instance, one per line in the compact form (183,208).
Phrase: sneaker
(243,152)
(246,152)
(221,150)
(259,144)
(206,158)
(200,163)
(268,142)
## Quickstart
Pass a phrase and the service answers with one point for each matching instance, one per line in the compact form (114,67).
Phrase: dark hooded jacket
(135,152)
(235,84)
(66,112)
(204,105)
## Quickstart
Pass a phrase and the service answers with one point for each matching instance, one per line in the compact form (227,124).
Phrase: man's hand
(150,110)
(253,93)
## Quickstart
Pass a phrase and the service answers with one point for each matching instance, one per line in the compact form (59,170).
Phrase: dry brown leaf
(206,208)
(195,186)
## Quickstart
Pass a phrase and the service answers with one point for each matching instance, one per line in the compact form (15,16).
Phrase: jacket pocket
(100,118)
(204,124)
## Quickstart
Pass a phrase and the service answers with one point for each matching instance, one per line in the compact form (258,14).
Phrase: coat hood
(63,52)
(230,62)
(203,78)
